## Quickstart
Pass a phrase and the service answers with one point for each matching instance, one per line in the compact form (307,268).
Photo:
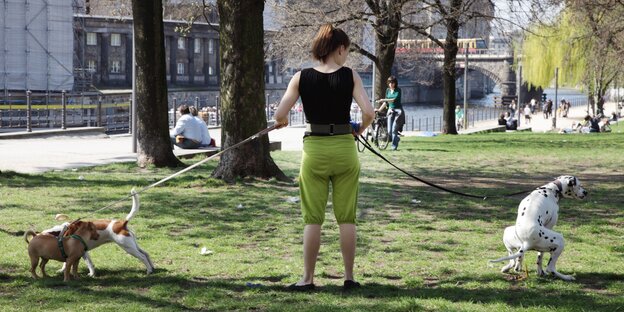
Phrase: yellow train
(474,45)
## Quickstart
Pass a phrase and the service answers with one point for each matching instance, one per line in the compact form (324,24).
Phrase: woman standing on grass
(329,152)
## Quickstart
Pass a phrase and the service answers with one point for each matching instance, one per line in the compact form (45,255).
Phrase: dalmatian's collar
(559,187)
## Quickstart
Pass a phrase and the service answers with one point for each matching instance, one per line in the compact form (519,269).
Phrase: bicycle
(377,133)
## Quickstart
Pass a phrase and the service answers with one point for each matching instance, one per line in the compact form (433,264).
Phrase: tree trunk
(154,145)
(385,49)
(242,91)
(448,71)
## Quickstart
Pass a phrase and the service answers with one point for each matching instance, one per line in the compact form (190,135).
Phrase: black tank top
(326,97)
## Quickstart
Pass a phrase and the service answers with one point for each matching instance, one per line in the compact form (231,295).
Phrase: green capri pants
(329,159)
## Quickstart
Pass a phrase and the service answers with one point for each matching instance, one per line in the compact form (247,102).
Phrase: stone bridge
(497,67)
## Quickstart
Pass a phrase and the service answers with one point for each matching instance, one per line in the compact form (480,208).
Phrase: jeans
(185,143)
(393,130)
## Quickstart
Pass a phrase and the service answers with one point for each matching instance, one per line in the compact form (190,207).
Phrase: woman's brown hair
(327,40)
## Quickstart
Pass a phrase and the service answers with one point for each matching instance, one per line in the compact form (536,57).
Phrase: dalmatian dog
(537,215)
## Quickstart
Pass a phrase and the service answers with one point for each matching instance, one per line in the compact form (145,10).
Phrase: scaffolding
(37,45)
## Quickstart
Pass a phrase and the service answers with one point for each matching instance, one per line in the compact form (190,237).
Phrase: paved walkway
(32,154)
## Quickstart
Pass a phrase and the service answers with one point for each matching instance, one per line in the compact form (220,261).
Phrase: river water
(434,109)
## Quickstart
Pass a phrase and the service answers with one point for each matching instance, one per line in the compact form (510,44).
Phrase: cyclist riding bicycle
(395,110)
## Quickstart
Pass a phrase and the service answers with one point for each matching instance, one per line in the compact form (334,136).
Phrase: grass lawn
(419,249)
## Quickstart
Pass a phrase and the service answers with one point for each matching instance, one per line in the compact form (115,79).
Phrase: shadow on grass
(199,293)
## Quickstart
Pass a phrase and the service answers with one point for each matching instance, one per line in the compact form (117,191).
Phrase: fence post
(175,109)
(28,112)
(99,112)
(268,109)
(63,110)
(130,117)
(218,116)
(10,111)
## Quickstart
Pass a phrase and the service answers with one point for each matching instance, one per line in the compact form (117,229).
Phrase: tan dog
(116,231)
(46,247)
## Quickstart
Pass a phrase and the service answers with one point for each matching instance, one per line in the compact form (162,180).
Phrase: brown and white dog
(114,231)
(46,247)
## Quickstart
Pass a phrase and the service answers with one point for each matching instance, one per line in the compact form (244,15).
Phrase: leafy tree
(585,43)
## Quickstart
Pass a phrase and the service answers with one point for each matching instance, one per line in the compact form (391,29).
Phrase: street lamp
(465,121)
(554,120)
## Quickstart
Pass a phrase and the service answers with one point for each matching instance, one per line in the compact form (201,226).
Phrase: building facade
(103,54)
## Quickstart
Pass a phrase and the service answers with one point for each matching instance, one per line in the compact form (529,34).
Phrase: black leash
(366,144)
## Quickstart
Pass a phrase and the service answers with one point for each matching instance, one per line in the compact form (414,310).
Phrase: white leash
(189,168)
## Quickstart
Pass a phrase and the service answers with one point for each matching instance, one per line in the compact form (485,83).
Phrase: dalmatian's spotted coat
(537,215)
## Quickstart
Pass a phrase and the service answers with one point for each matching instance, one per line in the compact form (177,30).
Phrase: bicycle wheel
(382,137)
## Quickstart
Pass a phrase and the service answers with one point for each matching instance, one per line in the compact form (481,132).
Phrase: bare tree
(425,16)
(603,36)
(151,86)
(242,90)
(437,20)
(373,26)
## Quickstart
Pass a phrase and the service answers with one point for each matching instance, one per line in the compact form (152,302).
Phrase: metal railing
(62,110)
(112,111)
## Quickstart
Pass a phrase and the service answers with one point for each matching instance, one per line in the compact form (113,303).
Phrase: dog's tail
(28,234)
(135,204)
(514,256)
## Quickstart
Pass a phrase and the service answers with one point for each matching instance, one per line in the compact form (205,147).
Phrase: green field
(419,249)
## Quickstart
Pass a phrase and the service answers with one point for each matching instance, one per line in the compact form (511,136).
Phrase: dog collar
(559,187)
(60,245)
(62,248)
(81,240)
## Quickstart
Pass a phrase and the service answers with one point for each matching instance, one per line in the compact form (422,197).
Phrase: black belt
(330,129)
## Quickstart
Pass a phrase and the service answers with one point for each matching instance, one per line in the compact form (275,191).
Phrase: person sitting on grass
(512,123)
(501,120)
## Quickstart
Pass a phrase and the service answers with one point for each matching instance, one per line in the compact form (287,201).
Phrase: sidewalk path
(36,155)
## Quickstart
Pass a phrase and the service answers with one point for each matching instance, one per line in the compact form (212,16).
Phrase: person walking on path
(329,151)
(395,110)
(527,114)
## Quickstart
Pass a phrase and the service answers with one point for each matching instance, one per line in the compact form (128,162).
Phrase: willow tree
(580,44)
(242,91)
(373,27)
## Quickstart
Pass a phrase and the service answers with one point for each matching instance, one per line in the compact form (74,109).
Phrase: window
(197,45)
(91,39)
(115,40)
(91,66)
(211,46)
(180,68)
(181,43)
(210,72)
(115,67)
